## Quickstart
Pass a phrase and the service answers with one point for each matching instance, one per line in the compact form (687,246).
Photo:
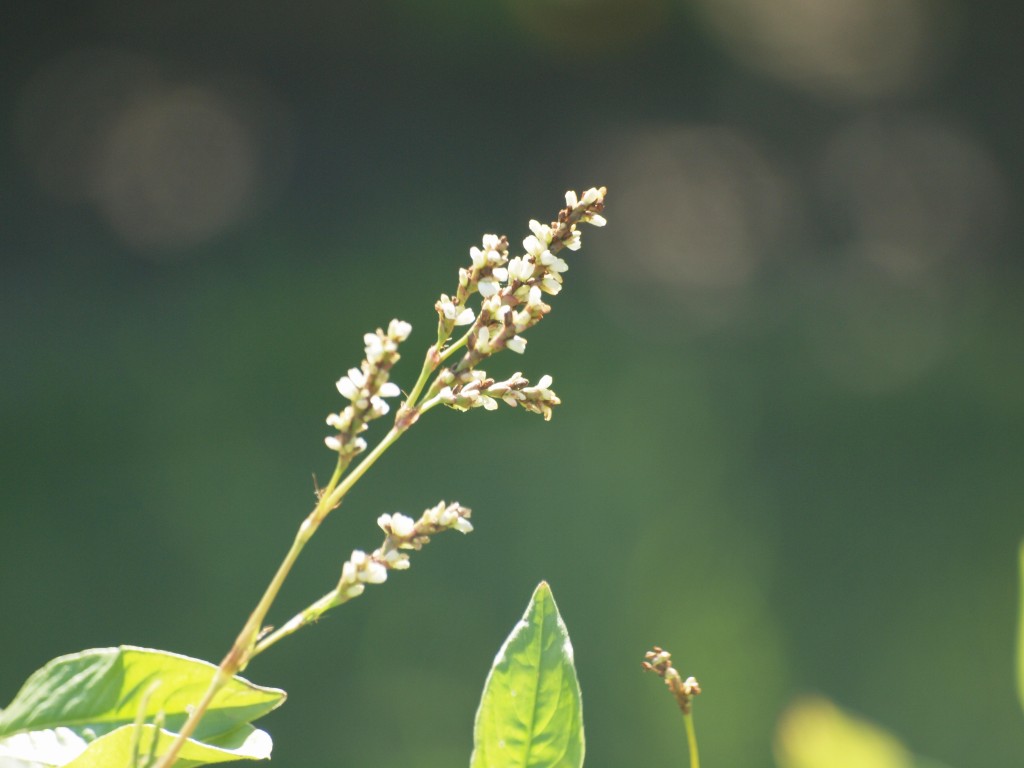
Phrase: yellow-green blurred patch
(815,733)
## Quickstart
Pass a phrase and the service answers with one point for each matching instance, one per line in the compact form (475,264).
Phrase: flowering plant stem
(659,661)
(691,740)
(461,386)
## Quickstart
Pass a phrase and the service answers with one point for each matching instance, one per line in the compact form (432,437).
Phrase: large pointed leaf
(531,712)
(75,700)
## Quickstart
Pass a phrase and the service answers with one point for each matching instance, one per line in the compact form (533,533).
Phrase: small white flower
(591,196)
(500,274)
(359,444)
(596,219)
(550,285)
(379,406)
(479,257)
(571,199)
(520,269)
(542,231)
(552,262)
(399,330)
(451,311)
(373,573)
(545,382)
(483,338)
(402,526)
(389,389)
(446,395)
(488,286)
(354,590)
(334,420)
(533,246)
(572,242)
(516,344)
(491,242)
(522,320)
(489,403)
(462,525)
(350,385)
(332,442)
(397,560)
(534,297)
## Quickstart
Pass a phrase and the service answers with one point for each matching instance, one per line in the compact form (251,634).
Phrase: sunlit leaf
(531,712)
(115,749)
(76,700)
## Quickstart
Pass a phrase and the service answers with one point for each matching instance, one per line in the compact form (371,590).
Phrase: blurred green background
(791,442)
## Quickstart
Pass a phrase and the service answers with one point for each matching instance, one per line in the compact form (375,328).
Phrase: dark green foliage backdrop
(792,365)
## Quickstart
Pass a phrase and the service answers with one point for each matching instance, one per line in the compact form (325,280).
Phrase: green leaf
(1020,632)
(115,749)
(77,700)
(531,711)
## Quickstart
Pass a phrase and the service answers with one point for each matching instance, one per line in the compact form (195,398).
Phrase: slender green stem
(451,350)
(691,739)
(298,621)
(430,362)
(243,649)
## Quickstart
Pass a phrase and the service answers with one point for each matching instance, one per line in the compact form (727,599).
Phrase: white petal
(533,246)
(591,196)
(516,344)
(545,382)
(389,389)
(500,274)
(402,525)
(332,442)
(596,220)
(487,287)
(478,257)
(399,330)
(465,317)
(551,285)
(347,388)
(375,573)
(570,199)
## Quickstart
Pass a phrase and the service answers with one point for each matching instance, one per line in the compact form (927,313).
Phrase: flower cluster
(659,661)
(366,387)
(401,533)
(484,392)
(511,289)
